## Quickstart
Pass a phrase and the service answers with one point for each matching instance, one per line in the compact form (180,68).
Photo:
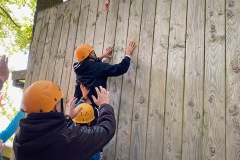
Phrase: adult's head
(84,52)
(86,115)
(42,97)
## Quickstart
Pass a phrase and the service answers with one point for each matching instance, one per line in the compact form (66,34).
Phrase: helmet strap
(62,107)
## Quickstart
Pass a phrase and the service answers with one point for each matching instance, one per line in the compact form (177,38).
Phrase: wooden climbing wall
(180,98)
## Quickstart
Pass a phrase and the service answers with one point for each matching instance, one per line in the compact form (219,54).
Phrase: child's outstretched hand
(130,48)
(103,96)
(107,3)
(108,52)
(70,110)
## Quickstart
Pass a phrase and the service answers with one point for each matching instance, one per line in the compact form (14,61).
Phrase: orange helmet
(41,97)
(82,51)
(85,115)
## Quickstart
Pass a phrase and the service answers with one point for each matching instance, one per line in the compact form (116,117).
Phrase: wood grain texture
(194,75)
(61,52)
(141,95)
(33,49)
(175,82)
(48,43)
(110,33)
(55,42)
(91,22)
(214,82)
(100,29)
(69,54)
(128,86)
(232,79)
(115,86)
(40,49)
(158,81)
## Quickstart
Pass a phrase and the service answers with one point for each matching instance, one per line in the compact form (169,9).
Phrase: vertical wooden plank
(48,43)
(141,95)
(116,82)
(100,29)
(75,7)
(154,148)
(109,40)
(110,33)
(232,80)
(61,52)
(128,86)
(214,82)
(33,49)
(81,31)
(193,97)
(175,81)
(55,42)
(91,22)
(39,54)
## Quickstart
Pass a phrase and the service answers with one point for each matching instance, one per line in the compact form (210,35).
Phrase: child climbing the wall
(92,72)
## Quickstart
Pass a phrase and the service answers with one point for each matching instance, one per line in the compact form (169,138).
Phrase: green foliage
(8,110)
(15,32)
(15,37)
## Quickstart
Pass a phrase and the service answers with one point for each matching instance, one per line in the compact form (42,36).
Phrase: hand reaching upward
(107,3)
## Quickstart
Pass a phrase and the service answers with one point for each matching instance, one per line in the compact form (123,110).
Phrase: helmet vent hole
(55,99)
(41,111)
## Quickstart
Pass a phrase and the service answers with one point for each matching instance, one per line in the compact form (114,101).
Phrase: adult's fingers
(78,109)
(94,98)
(103,90)
(6,61)
(97,90)
(2,60)
(73,101)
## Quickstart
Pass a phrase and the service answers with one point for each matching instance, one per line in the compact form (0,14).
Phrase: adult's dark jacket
(94,74)
(45,136)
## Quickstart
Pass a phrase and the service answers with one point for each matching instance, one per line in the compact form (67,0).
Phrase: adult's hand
(4,71)
(70,110)
(103,96)
(2,145)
